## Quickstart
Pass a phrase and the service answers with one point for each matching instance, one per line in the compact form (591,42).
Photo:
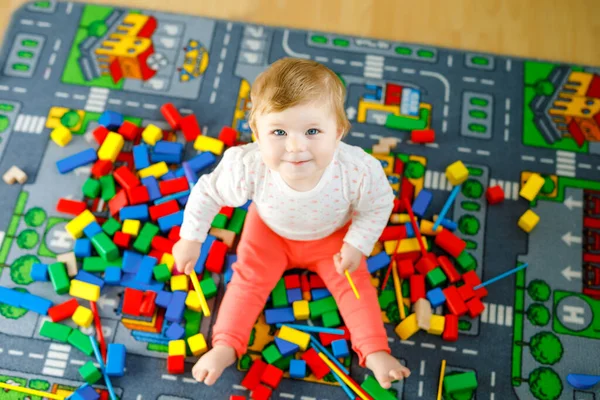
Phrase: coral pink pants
(263,256)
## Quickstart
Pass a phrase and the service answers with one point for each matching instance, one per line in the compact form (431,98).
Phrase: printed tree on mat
(538,314)
(538,290)
(545,384)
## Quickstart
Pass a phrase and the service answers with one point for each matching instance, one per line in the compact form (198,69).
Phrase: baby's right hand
(186,253)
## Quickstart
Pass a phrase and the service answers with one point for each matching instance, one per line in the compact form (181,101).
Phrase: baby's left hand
(347,259)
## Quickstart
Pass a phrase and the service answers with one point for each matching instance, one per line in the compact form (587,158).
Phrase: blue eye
(279,132)
(312,131)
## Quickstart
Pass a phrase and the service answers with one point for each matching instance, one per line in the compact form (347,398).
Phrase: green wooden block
(91,188)
(436,277)
(191,315)
(80,341)
(331,319)
(105,247)
(279,295)
(220,221)
(372,387)
(271,354)
(98,264)
(90,373)
(107,183)
(144,240)
(161,273)
(385,298)
(319,307)
(405,288)
(463,382)
(466,262)
(192,326)
(284,363)
(237,220)
(111,226)
(59,278)
(209,288)
(55,331)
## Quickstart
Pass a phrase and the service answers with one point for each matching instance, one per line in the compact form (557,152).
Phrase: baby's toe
(396,374)
(384,380)
(212,377)
(199,374)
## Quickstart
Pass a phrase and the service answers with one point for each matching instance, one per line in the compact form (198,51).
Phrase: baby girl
(317,203)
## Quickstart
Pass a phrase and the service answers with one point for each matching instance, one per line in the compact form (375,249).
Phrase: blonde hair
(292,81)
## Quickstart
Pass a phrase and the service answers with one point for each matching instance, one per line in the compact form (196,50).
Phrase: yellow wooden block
(84,290)
(111,147)
(168,260)
(426,228)
(61,136)
(407,327)
(457,173)
(207,143)
(83,316)
(179,282)
(131,227)
(532,187)
(197,344)
(406,245)
(152,134)
(75,227)
(177,347)
(364,106)
(156,170)
(528,221)
(295,336)
(399,218)
(436,324)
(193,302)
(301,310)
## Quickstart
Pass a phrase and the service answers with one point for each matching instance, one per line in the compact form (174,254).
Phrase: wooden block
(388,141)
(422,309)
(14,174)
(70,262)
(224,235)
(381,149)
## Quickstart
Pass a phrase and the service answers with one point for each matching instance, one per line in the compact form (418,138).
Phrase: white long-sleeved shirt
(353,187)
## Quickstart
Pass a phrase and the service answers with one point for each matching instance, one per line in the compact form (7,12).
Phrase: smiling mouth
(298,162)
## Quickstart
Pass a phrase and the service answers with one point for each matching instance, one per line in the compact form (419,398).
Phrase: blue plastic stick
(102,368)
(446,207)
(503,275)
(314,329)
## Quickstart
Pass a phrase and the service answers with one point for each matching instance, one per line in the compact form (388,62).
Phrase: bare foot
(211,365)
(386,368)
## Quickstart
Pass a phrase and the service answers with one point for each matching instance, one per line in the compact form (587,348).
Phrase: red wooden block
(292,281)
(327,338)
(451,243)
(425,265)
(116,203)
(126,178)
(316,282)
(100,133)
(161,210)
(398,168)
(190,127)
(122,239)
(466,292)
(163,244)
(175,364)
(156,254)
(252,378)
(449,269)
(72,207)
(126,159)
(397,204)
(475,307)
(494,194)
(406,269)
(227,211)
(413,256)
(235,397)
(101,168)
(317,366)
(455,304)
(104,395)
(393,232)
(422,136)
(129,130)
(148,304)
(216,257)
(472,279)
(450,333)
(174,234)
(304,285)
(171,115)
(132,300)
(261,392)
(228,136)
(138,195)
(171,186)
(63,310)
(407,191)
(417,288)
(271,376)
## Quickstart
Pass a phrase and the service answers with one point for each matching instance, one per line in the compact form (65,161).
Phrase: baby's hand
(186,253)
(347,259)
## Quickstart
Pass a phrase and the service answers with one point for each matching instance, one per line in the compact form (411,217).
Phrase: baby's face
(298,142)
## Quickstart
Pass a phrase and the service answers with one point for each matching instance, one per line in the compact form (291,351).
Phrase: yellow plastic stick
(352,284)
(343,376)
(442,372)
(398,289)
(201,297)
(31,391)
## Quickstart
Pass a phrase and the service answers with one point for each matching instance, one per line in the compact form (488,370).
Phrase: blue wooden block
(139,212)
(141,158)
(162,146)
(201,161)
(167,176)
(279,315)
(89,278)
(422,202)
(35,303)
(174,196)
(169,221)
(436,297)
(131,261)
(228,274)
(245,206)
(168,158)
(189,173)
(83,248)
(179,172)
(39,272)
(320,293)
(112,275)
(286,348)
(298,369)
(410,232)
(85,392)
(10,297)
(176,307)
(204,249)
(92,229)
(76,160)
(152,185)
(128,280)
(175,332)
(146,269)
(183,200)
(112,120)
(340,348)
(377,262)
(163,299)
(294,295)
(115,360)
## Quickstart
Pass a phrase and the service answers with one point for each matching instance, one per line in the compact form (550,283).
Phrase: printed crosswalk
(511,189)
(30,123)
(97,99)
(437,180)
(373,66)
(56,359)
(497,314)
(565,163)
